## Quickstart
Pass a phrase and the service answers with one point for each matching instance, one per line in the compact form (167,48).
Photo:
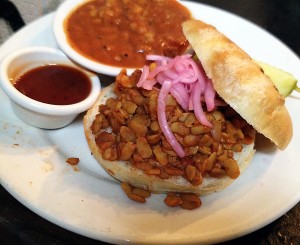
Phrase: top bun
(240,82)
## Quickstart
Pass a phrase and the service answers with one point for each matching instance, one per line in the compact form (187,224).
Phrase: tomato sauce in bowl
(54,84)
(121,33)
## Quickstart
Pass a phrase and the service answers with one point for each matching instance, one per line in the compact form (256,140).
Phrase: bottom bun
(124,172)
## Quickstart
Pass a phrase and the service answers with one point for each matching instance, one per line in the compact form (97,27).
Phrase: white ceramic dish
(33,112)
(58,28)
(91,203)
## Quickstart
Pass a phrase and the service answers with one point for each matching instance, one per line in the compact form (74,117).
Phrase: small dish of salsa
(106,36)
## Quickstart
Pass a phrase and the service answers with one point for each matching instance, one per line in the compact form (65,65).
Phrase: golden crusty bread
(124,172)
(240,82)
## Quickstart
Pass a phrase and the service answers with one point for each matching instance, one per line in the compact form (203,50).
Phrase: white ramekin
(33,112)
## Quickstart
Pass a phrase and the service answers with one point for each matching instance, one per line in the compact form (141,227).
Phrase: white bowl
(33,112)
(59,33)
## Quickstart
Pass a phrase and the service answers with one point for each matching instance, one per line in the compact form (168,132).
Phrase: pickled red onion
(162,118)
(186,80)
(209,96)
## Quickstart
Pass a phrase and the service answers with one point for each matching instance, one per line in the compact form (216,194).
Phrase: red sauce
(55,84)
(121,33)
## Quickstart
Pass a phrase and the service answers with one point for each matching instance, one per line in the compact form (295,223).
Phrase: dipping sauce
(55,84)
(122,32)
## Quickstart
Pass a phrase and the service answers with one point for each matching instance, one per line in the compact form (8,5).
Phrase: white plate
(89,202)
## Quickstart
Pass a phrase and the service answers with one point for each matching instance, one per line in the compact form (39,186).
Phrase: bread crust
(124,172)
(240,82)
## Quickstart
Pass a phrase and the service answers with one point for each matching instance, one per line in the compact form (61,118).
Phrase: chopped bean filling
(136,137)
(73,160)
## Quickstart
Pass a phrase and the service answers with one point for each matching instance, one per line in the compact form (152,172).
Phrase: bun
(240,82)
(124,172)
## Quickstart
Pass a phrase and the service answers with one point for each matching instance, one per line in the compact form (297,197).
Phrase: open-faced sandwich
(187,124)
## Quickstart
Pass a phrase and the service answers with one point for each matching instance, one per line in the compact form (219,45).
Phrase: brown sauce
(54,84)
(122,32)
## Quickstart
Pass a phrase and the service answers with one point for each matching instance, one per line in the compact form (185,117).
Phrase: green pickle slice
(283,81)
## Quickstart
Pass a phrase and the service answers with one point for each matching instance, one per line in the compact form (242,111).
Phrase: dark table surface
(19,225)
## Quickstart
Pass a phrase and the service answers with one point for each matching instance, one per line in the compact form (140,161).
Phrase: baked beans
(122,32)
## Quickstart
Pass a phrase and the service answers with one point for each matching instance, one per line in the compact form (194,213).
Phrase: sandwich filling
(167,121)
